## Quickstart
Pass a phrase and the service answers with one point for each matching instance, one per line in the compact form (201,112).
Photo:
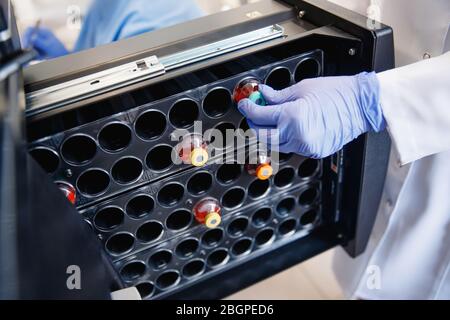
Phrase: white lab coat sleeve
(415,100)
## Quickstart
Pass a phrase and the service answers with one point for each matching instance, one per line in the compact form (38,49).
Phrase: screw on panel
(301,14)
(68,173)
(173,137)
(352,51)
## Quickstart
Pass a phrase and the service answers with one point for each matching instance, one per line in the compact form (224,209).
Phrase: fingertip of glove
(263,87)
(242,106)
(265,90)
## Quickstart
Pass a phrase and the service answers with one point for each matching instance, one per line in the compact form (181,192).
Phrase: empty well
(287,227)
(171,194)
(160,259)
(193,268)
(145,289)
(149,231)
(114,137)
(140,206)
(308,217)
(168,279)
(199,183)
(306,69)
(308,197)
(227,173)
(284,177)
(120,243)
(264,237)
(233,198)
(47,158)
(279,78)
(178,220)
(186,248)
(183,113)
(93,182)
(212,237)
(127,170)
(258,188)
(150,125)
(217,257)
(261,217)
(285,206)
(159,158)
(243,125)
(78,149)
(241,247)
(308,168)
(238,226)
(223,135)
(108,218)
(217,102)
(133,270)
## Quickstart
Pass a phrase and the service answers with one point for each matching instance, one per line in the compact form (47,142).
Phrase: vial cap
(212,220)
(257,98)
(199,157)
(264,171)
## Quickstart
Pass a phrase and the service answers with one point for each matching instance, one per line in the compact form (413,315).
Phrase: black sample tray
(201,252)
(115,154)
(162,210)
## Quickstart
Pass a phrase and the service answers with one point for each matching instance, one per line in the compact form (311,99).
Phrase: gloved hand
(44,42)
(317,117)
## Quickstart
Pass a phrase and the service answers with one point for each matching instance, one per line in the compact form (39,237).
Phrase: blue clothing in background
(111,20)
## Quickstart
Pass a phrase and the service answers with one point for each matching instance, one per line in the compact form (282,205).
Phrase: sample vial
(207,212)
(248,88)
(260,165)
(68,190)
(193,150)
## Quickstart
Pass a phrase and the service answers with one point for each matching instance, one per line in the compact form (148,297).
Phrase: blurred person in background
(110,20)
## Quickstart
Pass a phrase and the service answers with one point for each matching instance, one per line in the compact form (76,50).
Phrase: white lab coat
(408,255)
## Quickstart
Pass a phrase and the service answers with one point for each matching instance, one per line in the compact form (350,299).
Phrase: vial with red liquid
(260,165)
(207,212)
(249,89)
(68,190)
(193,150)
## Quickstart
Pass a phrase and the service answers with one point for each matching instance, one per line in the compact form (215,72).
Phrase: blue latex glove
(317,117)
(44,42)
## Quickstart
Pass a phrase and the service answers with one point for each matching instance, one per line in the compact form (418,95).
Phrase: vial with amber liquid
(248,88)
(207,212)
(192,149)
